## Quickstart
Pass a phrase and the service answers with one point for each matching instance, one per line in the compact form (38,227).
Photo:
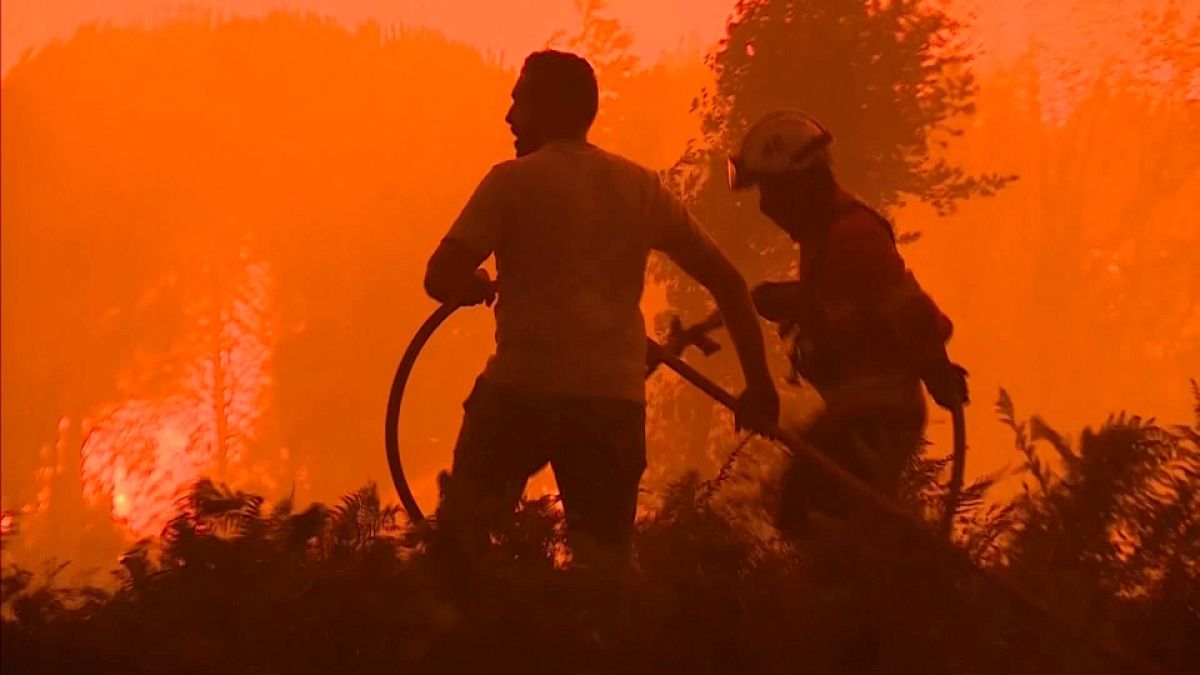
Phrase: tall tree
(890,79)
(136,453)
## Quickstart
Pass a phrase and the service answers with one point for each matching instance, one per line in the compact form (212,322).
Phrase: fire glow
(139,453)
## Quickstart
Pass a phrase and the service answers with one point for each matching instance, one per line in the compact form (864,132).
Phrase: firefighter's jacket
(856,311)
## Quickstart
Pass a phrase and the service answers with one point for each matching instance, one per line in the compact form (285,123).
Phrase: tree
(604,42)
(891,80)
(137,453)
(235,342)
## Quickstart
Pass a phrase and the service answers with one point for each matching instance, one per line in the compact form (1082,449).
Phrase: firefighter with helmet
(862,330)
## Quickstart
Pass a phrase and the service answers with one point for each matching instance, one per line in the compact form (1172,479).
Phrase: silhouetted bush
(1104,539)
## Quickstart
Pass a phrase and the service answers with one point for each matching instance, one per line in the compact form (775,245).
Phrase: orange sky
(1003,27)
(515,26)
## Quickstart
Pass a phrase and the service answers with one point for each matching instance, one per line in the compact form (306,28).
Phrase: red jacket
(856,309)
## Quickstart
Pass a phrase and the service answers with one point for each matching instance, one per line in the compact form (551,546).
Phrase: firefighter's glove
(946,382)
(778,301)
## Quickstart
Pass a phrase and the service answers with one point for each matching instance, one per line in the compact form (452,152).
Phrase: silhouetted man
(864,334)
(571,226)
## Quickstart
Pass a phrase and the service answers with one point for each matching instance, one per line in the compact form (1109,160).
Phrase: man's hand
(758,409)
(697,254)
(947,383)
(483,290)
(453,276)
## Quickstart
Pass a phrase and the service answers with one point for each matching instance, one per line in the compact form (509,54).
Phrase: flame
(138,454)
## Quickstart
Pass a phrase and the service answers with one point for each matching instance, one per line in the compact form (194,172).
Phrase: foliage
(892,81)
(1106,538)
(603,41)
(1105,533)
(1113,533)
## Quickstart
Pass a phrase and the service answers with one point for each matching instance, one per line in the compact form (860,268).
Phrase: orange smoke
(144,160)
(137,163)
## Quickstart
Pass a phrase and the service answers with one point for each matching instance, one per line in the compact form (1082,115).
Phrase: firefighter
(571,226)
(862,330)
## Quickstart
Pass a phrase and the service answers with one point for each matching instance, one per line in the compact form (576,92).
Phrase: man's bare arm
(699,257)
(453,276)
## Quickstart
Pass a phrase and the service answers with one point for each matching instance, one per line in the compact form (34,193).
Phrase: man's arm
(453,276)
(702,261)
(700,258)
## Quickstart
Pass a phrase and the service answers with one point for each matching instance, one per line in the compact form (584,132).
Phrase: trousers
(595,446)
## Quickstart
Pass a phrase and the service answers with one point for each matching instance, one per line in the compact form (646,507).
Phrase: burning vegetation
(210,264)
(1107,545)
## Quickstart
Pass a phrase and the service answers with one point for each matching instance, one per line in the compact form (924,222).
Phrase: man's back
(571,227)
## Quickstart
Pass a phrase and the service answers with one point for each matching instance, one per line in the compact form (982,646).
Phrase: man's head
(555,98)
(786,155)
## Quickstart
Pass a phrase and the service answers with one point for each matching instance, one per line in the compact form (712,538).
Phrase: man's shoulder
(506,168)
(637,168)
(535,163)
(617,158)
(598,154)
(549,162)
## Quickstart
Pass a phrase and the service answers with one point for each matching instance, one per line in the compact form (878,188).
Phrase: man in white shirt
(571,226)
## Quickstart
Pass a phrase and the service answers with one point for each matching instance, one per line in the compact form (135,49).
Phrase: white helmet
(785,141)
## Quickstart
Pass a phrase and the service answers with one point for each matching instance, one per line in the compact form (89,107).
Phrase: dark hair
(564,86)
